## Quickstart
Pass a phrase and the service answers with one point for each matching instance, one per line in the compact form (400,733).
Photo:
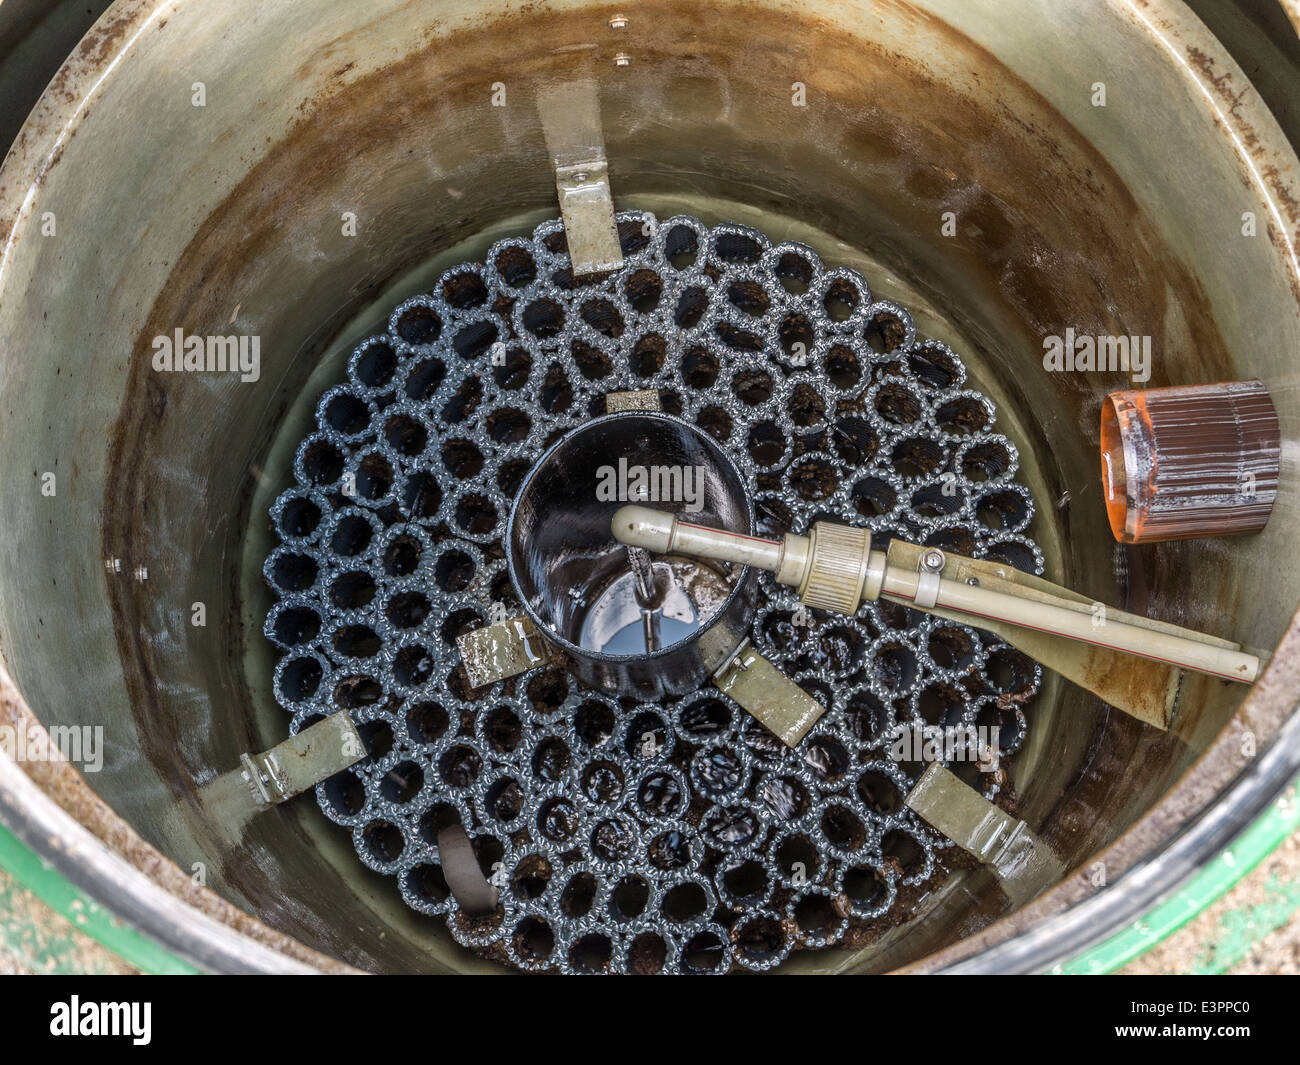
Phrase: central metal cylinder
(628,629)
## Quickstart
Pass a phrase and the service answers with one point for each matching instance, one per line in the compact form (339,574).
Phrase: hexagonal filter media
(631,836)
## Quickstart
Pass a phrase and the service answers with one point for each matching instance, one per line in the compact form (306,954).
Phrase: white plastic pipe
(790,560)
(664,533)
(1098,630)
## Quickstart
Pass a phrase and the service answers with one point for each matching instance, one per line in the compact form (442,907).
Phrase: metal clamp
(314,755)
(503,650)
(930,573)
(779,704)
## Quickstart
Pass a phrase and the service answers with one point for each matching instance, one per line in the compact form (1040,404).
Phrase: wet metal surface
(573,578)
(503,650)
(916,108)
(769,696)
(1023,863)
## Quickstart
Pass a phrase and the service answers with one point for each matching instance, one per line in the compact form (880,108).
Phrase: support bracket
(570,114)
(1023,863)
(639,399)
(503,650)
(314,755)
(778,703)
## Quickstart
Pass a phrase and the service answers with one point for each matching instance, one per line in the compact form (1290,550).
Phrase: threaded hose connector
(838,565)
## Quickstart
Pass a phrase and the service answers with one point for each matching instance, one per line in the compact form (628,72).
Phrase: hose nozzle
(834,568)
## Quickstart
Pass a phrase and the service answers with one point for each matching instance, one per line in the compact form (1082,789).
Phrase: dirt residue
(1057,238)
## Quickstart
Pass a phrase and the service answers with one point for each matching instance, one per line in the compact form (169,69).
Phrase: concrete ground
(1254,929)
(35,939)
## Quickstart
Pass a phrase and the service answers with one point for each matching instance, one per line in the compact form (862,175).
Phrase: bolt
(933,560)
(618,22)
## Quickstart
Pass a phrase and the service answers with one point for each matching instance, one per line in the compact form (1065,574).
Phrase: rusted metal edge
(51,809)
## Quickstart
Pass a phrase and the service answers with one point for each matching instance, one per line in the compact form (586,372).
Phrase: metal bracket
(474,893)
(570,114)
(1023,863)
(503,650)
(778,703)
(641,399)
(315,754)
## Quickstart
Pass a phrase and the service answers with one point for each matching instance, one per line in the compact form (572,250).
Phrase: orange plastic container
(1189,461)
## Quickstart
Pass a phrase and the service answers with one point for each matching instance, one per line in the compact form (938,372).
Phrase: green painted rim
(1250,848)
(83,912)
(1229,866)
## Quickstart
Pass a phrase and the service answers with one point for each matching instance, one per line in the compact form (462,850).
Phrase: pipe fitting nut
(838,564)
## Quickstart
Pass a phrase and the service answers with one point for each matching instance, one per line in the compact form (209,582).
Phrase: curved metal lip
(54,120)
(1156,877)
(48,830)
(552,636)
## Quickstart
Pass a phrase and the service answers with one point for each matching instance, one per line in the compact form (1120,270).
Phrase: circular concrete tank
(290,172)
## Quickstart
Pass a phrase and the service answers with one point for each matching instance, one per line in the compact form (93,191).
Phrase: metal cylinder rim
(551,634)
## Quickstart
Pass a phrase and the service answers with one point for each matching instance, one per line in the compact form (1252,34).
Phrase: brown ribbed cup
(1195,460)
